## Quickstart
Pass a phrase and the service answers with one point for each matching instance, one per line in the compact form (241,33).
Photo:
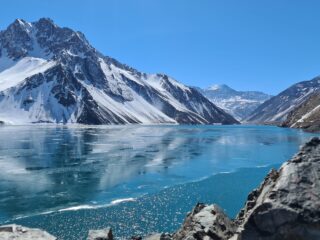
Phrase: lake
(136,179)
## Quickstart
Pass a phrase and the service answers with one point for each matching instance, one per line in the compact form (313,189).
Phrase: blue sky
(262,45)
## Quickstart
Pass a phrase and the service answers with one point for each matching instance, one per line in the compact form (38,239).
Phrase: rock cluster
(286,206)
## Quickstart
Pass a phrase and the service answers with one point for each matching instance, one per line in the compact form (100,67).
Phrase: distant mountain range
(50,74)
(239,104)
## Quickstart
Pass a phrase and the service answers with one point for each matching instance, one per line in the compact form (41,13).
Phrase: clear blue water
(137,179)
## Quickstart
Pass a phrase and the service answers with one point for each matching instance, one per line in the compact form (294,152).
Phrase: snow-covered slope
(23,69)
(52,74)
(276,109)
(238,103)
(306,115)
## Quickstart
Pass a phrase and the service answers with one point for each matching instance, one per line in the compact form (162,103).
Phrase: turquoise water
(137,179)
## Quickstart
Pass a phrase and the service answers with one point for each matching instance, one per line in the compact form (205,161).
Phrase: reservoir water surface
(136,179)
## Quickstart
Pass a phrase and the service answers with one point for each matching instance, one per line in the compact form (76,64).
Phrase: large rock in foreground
(103,234)
(287,204)
(285,207)
(206,222)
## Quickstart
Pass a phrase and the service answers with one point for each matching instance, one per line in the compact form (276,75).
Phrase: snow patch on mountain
(23,69)
(138,108)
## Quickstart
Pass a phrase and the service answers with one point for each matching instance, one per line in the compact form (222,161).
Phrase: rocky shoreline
(285,206)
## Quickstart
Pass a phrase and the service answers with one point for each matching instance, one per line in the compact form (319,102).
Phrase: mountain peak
(19,21)
(42,38)
(216,87)
(60,78)
(45,22)
(19,24)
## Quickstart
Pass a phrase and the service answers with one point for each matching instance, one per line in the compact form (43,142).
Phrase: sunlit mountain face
(51,74)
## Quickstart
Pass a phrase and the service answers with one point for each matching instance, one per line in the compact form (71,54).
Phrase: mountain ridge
(306,115)
(72,82)
(277,108)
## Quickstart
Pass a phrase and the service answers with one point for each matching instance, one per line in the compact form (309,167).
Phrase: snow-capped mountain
(238,103)
(52,74)
(276,109)
(306,115)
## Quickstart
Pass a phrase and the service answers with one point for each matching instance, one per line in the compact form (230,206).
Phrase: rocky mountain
(50,74)
(240,104)
(276,109)
(306,115)
(285,206)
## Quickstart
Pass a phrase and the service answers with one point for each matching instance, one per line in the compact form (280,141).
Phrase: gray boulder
(16,232)
(206,222)
(102,234)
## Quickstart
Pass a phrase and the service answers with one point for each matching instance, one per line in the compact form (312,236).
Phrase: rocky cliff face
(286,206)
(53,75)
(306,115)
(276,109)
